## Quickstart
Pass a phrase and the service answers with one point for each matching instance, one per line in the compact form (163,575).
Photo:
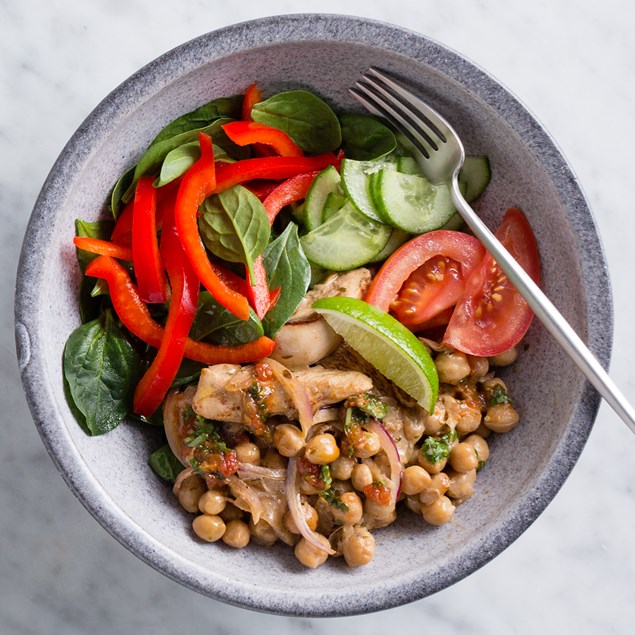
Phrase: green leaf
(364,138)
(288,268)
(165,464)
(217,325)
(223,107)
(124,182)
(101,368)
(308,120)
(178,161)
(234,226)
(499,396)
(101,229)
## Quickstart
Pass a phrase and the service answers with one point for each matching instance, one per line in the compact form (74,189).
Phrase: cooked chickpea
(310,514)
(308,555)
(414,480)
(192,488)
(383,463)
(433,423)
(248,453)
(366,445)
(359,548)
(452,367)
(322,449)
(208,528)
(480,447)
(414,427)
(505,358)
(431,468)
(439,512)
(461,484)
(288,439)
(463,458)
(381,515)
(236,534)
(342,467)
(483,431)
(468,418)
(262,533)
(231,512)
(355,509)
(439,484)
(479,366)
(212,502)
(361,476)
(413,504)
(273,460)
(501,418)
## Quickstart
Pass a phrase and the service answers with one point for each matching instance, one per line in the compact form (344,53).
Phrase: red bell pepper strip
(136,318)
(156,381)
(258,291)
(290,191)
(261,188)
(146,259)
(122,233)
(230,174)
(245,133)
(253,95)
(103,248)
(198,183)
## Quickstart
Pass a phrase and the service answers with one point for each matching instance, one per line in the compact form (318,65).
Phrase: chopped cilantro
(205,430)
(480,465)
(437,449)
(331,497)
(499,396)
(325,473)
(369,404)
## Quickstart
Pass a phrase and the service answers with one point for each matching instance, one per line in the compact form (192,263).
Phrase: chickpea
(262,533)
(479,366)
(208,528)
(231,512)
(501,418)
(310,514)
(288,439)
(248,453)
(236,534)
(361,476)
(342,467)
(431,468)
(383,463)
(413,504)
(483,431)
(414,427)
(414,480)
(468,418)
(505,358)
(439,485)
(463,458)
(308,555)
(273,460)
(490,384)
(212,502)
(480,447)
(452,367)
(322,449)
(433,423)
(192,488)
(359,548)
(381,515)
(461,484)
(355,509)
(366,445)
(439,512)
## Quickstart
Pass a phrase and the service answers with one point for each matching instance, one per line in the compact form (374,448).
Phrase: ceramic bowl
(326,54)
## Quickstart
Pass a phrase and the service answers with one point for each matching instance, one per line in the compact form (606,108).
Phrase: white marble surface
(573,570)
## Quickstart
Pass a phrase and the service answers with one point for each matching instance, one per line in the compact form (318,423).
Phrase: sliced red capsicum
(245,133)
(253,95)
(198,183)
(290,191)
(146,259)
(136,318)
(103,248)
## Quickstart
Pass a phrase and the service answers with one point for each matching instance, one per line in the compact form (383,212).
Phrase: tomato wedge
(492,316)
(438,264)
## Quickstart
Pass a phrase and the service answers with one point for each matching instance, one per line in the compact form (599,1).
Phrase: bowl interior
(110,473)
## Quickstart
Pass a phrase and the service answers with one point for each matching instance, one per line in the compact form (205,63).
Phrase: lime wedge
(386,344)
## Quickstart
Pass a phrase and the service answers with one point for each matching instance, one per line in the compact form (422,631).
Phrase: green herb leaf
(234,226)
(178,161)
(307,119)
(217,325)
(205,431)
(288,268)
(332,498)
(369,404)
(188,373)
(101,368)
(499,396)
(364,138)
(101,229)
(437,449)
(325,473)
(165,464)
(124,182)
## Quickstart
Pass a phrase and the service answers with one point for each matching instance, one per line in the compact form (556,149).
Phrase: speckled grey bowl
(327,54)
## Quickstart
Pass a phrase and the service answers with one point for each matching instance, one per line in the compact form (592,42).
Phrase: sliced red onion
(326,414)
(297,393)
(295,508)
(243,491)
(389,446)
(249,471)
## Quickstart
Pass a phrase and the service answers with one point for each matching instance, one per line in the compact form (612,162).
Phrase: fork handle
(546,312)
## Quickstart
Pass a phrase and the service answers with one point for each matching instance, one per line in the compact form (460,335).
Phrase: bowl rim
(108,115)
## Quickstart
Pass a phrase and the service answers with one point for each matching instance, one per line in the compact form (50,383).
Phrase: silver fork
(440,154)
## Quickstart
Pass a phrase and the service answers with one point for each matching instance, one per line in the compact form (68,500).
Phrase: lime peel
(386,344)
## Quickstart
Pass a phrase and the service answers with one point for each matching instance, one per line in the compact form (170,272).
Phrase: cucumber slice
(397,238)
(327,181)
(476,174)
(333,204)
(356,177)
(408,165)
(411,202)
(346,241)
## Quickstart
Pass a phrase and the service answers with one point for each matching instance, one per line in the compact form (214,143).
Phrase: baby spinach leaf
(288,268)
(217,325)
(234,226)
(165,464)
(101,229)
(124,182)
(101,368)
(178,161)
(308,120)
(364,138)
(188,373)
(223,107)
